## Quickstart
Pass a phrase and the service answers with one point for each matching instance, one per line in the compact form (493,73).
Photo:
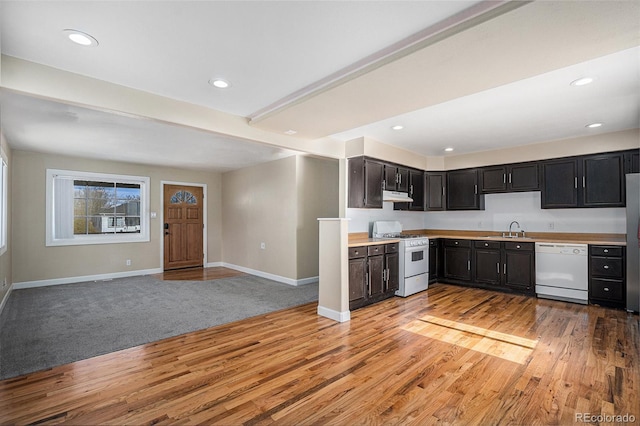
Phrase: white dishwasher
(562,272)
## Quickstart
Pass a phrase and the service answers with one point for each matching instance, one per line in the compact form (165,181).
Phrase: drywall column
(333,292)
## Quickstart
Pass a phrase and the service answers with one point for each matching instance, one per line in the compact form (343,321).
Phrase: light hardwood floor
(451,355)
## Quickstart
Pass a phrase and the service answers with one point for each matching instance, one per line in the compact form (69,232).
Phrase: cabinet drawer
(457,243)
(607,289)
(391,248)
(492,245)
(606,251)
(355,252)
(610,267)
(374,250)
(510,245)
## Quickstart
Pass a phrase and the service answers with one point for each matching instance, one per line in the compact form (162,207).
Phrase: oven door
(416,261)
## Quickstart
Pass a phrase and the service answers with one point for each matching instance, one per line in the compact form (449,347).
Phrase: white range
(413,257)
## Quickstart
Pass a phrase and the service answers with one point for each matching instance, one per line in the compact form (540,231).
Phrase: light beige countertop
(362,238)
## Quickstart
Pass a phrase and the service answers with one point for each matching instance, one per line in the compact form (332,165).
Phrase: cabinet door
(457,263)
(357,279)
(603,181)
(374,174)
(462,190)
(632,161)
(487,266)
(390,177)
(356,182)
(518,269)
(559,184)
(523,177)
(493,179)
(434,269)
(376,268)
(403,179)
(393,277)
(435,191)
(416,190)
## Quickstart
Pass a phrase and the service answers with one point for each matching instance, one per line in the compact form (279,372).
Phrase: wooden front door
(183,226)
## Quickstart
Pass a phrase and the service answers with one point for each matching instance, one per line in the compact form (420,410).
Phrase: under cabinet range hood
(396,197)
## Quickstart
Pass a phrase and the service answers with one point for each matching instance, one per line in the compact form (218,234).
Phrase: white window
(4,208)
(96,208)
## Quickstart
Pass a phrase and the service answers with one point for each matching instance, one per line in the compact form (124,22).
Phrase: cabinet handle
(384,184)
(504,178)
(498,268)
(443,191)
(576,182)
(606,289)
(486,244)
(583,183)
(606,250)
(504,269)
(456,243)
(368,284)
(476,189)
(509,177)
(411,190)
(606,266)
(356,252)
(468,265)
(518,246)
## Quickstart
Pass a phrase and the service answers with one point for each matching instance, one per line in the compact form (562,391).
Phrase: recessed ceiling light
(582,81)
(397,127)
(448,149)
(219,83)
(594,125)
(290,132)
(80,37)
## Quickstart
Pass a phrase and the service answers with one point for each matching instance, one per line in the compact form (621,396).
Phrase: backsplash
(500,210)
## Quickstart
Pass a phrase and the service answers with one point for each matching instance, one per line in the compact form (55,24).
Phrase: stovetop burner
(393,235)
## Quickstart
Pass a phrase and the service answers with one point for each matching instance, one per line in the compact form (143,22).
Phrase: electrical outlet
(551,225)
(263,246)
(128,262)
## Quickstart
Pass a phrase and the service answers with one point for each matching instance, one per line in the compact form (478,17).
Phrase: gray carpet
(48,326)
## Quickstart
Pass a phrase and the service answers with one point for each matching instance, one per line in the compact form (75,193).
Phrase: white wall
(501,209)
(362,219)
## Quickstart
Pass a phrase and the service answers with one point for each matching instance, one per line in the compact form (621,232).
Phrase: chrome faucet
(510,233)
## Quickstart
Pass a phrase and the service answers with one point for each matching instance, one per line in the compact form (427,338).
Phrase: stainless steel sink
(498,237)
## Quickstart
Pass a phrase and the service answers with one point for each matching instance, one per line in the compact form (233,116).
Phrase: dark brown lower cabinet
(456,262)
(607,276)
(373,274)
(495,265)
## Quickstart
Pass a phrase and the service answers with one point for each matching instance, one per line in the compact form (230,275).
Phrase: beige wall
(259,205)
(5,259)
(278,203)
(615,141)
(318,196)
(33,261)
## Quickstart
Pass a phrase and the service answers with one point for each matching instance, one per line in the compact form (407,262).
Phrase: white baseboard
(85,278)
(102,277)
(269,276)
(5,298)
(334,315)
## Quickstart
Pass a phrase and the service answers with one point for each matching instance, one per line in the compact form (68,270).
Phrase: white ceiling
(270,50)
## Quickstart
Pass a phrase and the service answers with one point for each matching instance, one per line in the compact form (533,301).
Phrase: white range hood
(396,197)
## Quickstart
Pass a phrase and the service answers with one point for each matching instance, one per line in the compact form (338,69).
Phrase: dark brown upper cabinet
(463,191)
(587,181)
(416,192)
(435,191)
(632,161)
(603,182)
(510,178)
(396,178)
(365,183)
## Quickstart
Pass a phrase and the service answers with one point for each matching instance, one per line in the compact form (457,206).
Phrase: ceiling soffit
(533,39)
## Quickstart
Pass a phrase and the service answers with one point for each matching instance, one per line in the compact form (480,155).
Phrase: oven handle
(416,248)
